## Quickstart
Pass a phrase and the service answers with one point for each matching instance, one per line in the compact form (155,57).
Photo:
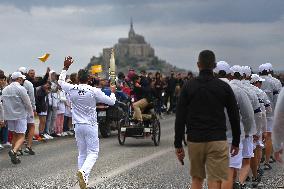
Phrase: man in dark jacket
(201,108)
(31,77)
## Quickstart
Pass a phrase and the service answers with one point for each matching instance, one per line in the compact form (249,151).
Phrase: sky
(240,32)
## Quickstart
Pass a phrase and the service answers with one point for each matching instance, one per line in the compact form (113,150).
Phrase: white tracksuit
(248,146)
(278,128)
(271,89)
(83,100)
(246,118)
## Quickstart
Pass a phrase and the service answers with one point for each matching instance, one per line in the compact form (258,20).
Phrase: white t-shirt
(83,100)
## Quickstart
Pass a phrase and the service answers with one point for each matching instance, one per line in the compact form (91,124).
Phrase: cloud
(239,32)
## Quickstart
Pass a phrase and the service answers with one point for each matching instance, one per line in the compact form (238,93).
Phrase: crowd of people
(248,120)
(229,109)
(23,92)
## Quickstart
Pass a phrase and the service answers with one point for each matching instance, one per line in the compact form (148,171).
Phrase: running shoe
(267,166)
(14,158)
(64,134)
(244,186)
(47,136)
(82,179)
(20,152)
(255,182)
(29,150)
(272,160)
(260,171)
(237,185)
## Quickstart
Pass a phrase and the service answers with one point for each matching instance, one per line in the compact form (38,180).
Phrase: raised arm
(64,85)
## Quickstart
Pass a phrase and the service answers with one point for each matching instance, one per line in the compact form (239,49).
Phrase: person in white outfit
(265,104)
(257,142)
(30,119)
(237,75)
(83,99)
(247,118)
(17,106)
(278,128)
(270,88)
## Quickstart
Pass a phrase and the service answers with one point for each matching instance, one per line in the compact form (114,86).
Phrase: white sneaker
(7,144)
(1,146)
(70,133)
(47,136)
(82,179)
(50,137)
(64,134)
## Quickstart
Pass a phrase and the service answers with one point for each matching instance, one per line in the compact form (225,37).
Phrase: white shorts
(42,114)
(30,119)
(269,125)
(236,161)
(17,126)
(248,147)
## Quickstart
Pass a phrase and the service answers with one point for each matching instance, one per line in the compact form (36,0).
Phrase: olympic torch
(112,68)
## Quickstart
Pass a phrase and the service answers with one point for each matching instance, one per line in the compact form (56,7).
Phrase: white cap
(222,65)
(246,70)
(16,75)
(269,66)
(22,69)
(255,78)
(263,67)
(236,69)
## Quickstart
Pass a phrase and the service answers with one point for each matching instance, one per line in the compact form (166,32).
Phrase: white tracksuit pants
(88,146)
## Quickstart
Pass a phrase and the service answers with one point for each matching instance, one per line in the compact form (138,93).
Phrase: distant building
(133,46)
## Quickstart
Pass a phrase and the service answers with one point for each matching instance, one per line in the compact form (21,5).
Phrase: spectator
(67,126)
(35,81)
(17,106)
(144,81)
(41,107)
(52,106)
(60,112)
(30,118)
(170,92)
(4,129)
(158,85)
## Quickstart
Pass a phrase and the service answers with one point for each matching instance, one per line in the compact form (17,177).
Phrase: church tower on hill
(133,46)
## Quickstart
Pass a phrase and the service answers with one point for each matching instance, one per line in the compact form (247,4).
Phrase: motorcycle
(108,118)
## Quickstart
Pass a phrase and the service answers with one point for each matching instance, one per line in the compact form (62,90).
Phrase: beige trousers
(138,107)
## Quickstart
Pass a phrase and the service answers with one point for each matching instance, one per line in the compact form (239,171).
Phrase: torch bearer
(112,68)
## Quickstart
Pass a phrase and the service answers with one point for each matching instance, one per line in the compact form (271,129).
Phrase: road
(137,164)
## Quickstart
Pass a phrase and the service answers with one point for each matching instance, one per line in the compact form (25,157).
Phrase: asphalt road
(137,164)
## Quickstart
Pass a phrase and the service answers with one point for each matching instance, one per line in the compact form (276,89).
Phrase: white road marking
(127,167)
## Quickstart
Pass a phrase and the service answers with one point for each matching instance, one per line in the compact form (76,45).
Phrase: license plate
(147,130)
(102,114)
